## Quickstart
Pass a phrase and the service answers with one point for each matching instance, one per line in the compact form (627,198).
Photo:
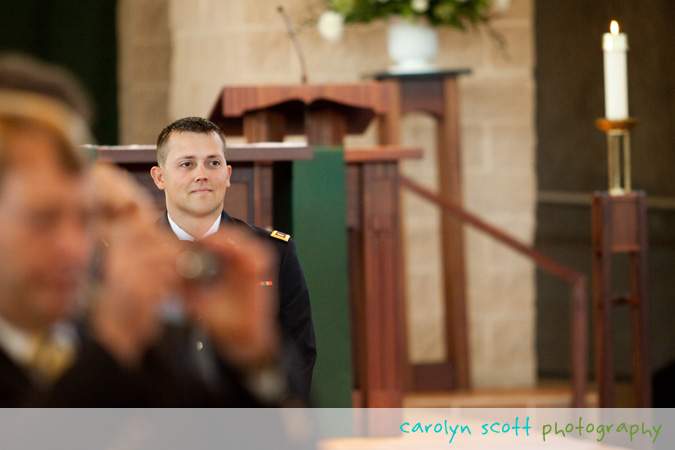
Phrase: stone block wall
(145,54)
(177,54)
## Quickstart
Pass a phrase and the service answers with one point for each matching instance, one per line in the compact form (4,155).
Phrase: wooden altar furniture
(437,94)
(620,226)
(375,269)
(345,221)
(248,197)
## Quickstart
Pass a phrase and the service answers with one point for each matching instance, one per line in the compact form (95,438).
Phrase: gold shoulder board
(279,235)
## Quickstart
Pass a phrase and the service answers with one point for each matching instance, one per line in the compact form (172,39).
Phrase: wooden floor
(546,395)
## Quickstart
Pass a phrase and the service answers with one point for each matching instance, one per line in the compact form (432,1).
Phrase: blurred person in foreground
(112,347)
(192,171)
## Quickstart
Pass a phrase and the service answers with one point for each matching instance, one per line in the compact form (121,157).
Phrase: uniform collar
(185,236)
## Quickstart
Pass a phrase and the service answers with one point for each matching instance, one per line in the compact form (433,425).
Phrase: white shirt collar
(17,343)
(20,344)
(185,236)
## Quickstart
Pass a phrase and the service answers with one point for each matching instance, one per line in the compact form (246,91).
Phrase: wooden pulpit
(342,209)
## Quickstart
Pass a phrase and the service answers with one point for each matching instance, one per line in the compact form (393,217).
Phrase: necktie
(50,359)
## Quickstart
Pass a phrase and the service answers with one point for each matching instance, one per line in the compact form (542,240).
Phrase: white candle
(615,45)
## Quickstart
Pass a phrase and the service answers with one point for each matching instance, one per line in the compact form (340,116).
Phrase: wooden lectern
(343,211)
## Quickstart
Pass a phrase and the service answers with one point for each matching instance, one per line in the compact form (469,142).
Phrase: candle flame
(614,27)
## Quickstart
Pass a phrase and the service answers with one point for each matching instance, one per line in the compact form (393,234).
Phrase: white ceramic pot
(411,46)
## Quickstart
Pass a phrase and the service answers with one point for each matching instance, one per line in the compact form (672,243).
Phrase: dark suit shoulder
(15,386)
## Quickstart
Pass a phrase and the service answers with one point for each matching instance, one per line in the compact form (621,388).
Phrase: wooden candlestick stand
(620,226)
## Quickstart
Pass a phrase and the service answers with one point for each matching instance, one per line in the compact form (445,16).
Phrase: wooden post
(620,226)
(437,94)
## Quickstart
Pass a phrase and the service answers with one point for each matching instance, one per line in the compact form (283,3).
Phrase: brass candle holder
(618,152)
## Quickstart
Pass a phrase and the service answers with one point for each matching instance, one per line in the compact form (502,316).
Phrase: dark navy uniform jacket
(97,380)
(295,313)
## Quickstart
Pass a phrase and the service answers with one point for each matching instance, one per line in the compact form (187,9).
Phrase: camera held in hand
(199,265)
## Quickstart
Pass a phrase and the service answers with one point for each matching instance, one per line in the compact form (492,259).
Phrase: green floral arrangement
(451,13)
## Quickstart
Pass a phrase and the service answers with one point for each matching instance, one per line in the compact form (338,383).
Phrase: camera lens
(199,265)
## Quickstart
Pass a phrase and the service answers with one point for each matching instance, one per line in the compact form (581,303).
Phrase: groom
(193,173)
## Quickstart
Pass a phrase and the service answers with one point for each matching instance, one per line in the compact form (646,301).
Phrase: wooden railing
(576,280)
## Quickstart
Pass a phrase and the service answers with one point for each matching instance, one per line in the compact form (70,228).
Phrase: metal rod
(543,260)
(576,280)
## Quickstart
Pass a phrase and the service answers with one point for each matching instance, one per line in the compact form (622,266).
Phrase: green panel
(76,34)
(319,229)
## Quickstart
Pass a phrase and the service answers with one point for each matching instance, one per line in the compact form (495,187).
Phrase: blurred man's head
(192,169)
(45,203)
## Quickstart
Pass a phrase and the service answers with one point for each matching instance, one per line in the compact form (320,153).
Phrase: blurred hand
(235,310)
(139,271)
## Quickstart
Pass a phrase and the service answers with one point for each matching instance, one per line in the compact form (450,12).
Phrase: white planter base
(411,47)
